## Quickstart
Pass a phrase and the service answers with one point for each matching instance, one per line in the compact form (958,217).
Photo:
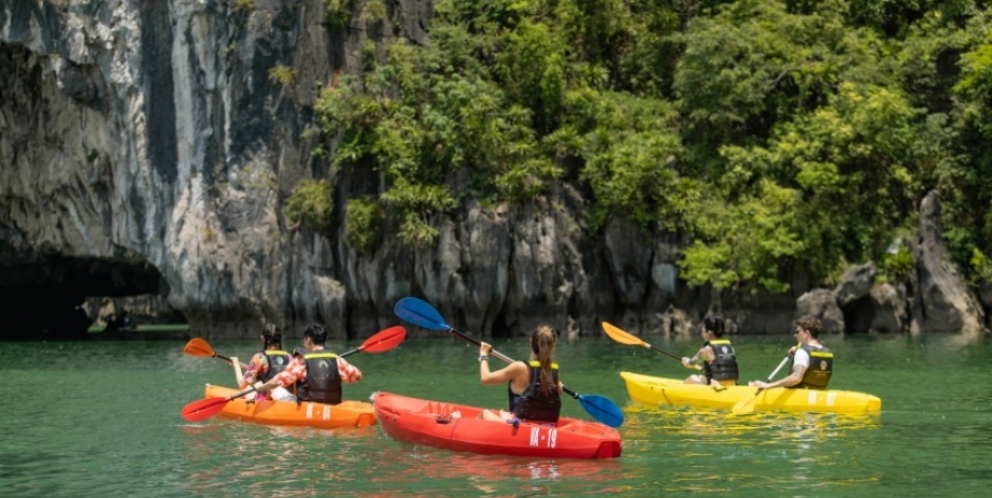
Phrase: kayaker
(812,362)
(717,356)
(314,373)
(265,365)
(534,387)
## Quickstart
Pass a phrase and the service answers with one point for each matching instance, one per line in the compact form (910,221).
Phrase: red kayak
(458,428)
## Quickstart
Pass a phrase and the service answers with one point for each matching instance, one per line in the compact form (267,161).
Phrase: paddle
(746,405)
(422,314)
(624,337)
(205,408)
(199,347)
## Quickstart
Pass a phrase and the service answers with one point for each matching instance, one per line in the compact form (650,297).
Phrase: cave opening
(61,298)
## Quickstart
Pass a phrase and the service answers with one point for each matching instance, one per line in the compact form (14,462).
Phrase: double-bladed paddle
(422,314)
(205,408)
(624,337)
(746,405)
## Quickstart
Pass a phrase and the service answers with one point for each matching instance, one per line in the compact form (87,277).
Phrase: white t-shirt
(801,358)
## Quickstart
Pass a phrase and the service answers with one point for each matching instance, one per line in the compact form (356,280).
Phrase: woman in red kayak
(534,386)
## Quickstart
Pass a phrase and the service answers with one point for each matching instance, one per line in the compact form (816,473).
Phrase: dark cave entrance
(44,299)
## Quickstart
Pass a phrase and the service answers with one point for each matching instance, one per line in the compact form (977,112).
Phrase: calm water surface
(102,419)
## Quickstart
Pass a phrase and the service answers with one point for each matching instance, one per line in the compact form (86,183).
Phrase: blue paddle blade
(419,313)
(602,409)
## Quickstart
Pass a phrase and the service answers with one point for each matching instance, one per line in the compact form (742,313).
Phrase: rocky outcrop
(822,303)
(945,302)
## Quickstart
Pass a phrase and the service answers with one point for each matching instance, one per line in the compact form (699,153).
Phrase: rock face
(945,302)
(144,150)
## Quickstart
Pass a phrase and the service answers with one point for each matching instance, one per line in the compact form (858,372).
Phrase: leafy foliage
(363,224)
(311,205)
(781,135)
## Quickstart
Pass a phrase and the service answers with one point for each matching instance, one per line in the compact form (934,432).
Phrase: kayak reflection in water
(314,373)
(534,387)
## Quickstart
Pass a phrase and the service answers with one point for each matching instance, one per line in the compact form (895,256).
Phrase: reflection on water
(702,422)
(718,452)
(423,467)
(103,420)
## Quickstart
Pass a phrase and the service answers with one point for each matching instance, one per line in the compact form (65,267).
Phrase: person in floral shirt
(315,373)
(265,365)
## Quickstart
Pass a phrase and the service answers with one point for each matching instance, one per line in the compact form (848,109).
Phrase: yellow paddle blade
(746,405)
(198,347)
(622,336)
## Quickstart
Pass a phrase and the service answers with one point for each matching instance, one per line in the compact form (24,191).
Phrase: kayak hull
(662,391)
(457,428)
(289,413)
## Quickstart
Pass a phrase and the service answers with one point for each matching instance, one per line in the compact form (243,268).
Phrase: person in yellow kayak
(534,387)
(265,365)
(314,373)
(717,356)
(812,362)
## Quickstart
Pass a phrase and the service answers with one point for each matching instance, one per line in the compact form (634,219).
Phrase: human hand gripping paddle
(205,408)
(746,405)
(422,314)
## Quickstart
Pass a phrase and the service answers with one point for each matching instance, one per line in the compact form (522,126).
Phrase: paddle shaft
(772,376)
(779,367)
(503,357)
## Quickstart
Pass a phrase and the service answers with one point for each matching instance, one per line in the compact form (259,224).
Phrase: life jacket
(533,404)
(821,367)
(724,366)
(323,382)
(278,361)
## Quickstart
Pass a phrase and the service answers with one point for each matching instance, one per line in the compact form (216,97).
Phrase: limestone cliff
(144,149)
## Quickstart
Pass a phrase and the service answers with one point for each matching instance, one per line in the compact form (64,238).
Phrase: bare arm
(513,372)
(793,378)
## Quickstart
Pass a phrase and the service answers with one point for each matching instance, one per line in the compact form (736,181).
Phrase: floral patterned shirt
(296,371)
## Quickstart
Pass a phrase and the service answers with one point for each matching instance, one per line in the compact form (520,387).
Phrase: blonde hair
(542,343)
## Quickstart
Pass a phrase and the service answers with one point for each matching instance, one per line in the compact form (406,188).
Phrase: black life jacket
(533,404)
(278,361)
(323,382)
(821,367)
(724,364)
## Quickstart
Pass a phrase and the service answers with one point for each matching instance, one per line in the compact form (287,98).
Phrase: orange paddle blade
(198,347)
(384,341)
(203,409)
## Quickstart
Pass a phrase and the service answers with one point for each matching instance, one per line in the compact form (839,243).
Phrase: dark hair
(542,343)
(715,324)
(811,324)
(272,336)
(316,333)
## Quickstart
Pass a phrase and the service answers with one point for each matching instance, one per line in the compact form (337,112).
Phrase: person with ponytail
(717,356)
(265,365)
(534,387)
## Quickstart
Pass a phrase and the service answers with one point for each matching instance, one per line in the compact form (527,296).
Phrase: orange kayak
(458,428)
(290,413)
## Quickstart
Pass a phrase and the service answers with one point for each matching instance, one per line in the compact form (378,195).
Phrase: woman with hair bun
(265,364)
(717,356)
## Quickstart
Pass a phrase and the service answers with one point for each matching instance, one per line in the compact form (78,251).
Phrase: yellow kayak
(657,391)
(289,413)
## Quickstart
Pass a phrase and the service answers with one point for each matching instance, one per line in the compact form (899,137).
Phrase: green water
(102,419)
